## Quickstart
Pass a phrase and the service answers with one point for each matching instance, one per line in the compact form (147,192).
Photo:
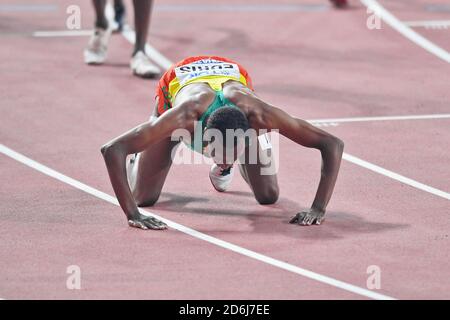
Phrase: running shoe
(220,178)
(97,49)
(142,66)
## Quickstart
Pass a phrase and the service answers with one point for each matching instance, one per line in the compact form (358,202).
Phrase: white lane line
(260,7)
(396,176)
(196,234)
(63,33)
(406,31)
(324,124)
(384,118)
(28,7)
(429,24)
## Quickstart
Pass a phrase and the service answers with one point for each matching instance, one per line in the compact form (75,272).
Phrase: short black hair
(227,117)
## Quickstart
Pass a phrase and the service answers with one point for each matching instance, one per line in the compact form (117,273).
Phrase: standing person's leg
(119,14)
(96,51)
(100,18)
(140,63)
(142,16)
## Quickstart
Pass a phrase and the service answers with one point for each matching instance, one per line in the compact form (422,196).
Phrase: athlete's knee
(147,200)
(269,195)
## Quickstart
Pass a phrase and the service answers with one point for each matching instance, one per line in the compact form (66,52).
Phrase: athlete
(210,94)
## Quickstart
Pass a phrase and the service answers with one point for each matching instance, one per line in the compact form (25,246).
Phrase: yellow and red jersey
(213,70)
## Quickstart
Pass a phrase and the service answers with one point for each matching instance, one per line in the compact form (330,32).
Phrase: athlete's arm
(262,115)
(134,141)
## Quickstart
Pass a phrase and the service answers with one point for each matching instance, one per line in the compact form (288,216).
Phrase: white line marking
(63,33)
(396,176)
(429,24)
(28,7)
(260,7)
(166,63)
(391,20)
(324,124)
(383,118)
(196,234)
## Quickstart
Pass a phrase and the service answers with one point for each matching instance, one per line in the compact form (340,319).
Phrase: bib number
(206,67)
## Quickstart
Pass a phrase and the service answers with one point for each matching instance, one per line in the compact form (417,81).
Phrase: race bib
(206,67)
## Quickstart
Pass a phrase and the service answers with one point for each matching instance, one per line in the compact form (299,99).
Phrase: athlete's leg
(147,172)
(264,185)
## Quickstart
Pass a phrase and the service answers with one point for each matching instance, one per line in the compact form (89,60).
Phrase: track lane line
(395,176)
(194,233)
(62,33)
(406,31)
(429,24)
(384,118)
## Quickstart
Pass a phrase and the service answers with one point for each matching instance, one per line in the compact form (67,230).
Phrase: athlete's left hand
(308,217)
(146,222)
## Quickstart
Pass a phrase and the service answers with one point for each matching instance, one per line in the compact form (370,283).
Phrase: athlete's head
(226,128)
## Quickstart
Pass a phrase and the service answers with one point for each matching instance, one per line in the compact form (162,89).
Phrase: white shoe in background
(97,49)
(141,66)
(221,178)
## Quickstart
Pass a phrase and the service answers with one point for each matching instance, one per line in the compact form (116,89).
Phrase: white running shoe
(97,48)
(220,178)
(143,67)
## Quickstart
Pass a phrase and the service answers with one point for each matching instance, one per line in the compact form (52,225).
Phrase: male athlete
(212,95)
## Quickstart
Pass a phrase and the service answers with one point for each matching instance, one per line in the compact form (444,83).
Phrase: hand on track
(145,223)
(308,217)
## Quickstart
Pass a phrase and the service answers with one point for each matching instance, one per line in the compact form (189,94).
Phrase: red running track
(312,61)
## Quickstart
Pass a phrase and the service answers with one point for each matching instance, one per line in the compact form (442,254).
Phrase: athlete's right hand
(146,222)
